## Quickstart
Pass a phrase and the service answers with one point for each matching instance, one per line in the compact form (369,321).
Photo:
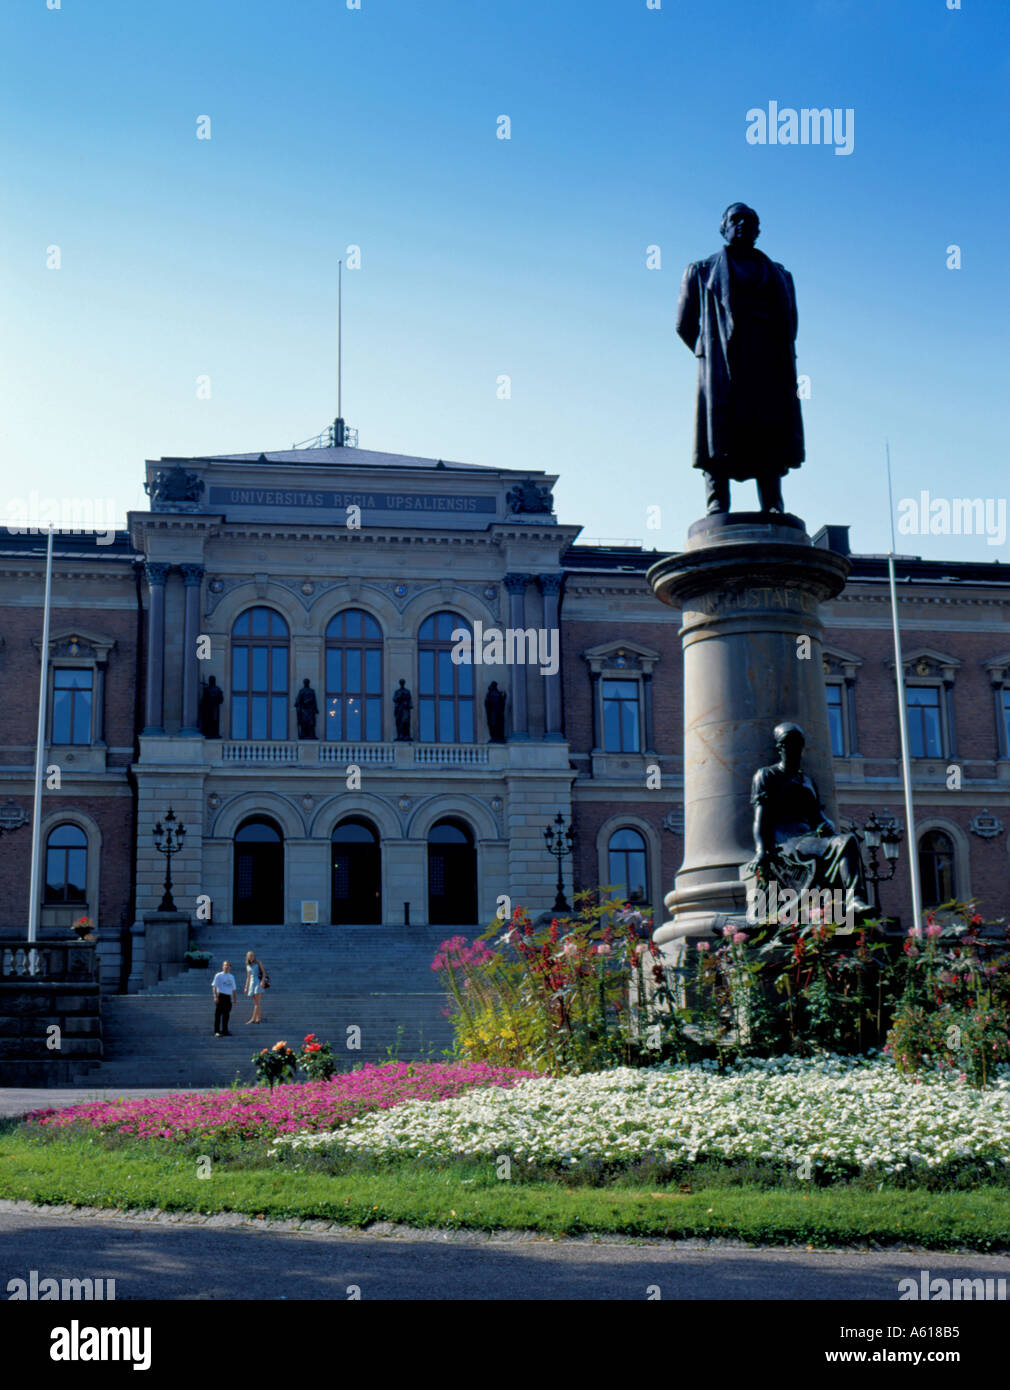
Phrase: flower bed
(841,1114)
(261,1113)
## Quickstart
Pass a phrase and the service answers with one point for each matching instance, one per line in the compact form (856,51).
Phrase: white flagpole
(899,675)
(35,889)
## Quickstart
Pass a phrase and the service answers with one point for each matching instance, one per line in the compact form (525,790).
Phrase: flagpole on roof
(899,676)
(35,880)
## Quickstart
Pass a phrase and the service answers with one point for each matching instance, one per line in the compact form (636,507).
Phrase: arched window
(357,873)
(353,677)
(627,865)
(452,875)
(259,675)
(936,868)
(445,704)
(259,874)
(66,865)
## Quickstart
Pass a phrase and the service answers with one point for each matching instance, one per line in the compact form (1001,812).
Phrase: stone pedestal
(750,587)
(160,940)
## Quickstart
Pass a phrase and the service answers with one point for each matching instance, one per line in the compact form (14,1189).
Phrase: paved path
(224,1257)
(17,1101)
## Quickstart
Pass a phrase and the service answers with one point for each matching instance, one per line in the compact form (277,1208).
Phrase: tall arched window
(353,677)
(936,868)
(259,675)
(66,865)
(627,865)
(445,703)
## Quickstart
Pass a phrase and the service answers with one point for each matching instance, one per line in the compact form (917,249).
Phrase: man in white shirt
(223,986)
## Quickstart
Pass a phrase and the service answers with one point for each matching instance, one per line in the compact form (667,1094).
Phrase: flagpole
(899,675)
(35,882)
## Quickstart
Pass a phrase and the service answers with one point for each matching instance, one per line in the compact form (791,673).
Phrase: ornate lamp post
(168,841)
(559,843)
(877,837)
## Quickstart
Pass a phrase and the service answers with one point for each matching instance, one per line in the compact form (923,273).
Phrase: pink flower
(702,945)
(728,930)
(603,949)
(934,930)
(739,937)
(915,931)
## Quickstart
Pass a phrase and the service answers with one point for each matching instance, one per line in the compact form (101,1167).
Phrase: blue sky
(484,257)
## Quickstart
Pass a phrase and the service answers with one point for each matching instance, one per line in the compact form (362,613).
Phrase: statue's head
(789,738)
(212,680)
(305,681)
(740,225)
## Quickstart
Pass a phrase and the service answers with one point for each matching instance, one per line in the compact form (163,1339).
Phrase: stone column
(154,710)
(850,698)
(192,578)
(748,588)
(516,586)
(550,587)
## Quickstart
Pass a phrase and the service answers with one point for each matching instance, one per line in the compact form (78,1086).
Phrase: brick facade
(955,628)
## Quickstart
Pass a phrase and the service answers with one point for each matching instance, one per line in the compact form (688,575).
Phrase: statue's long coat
(705,323)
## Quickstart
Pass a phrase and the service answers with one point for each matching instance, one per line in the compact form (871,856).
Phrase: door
(258,898)
(357,874)
(452,876)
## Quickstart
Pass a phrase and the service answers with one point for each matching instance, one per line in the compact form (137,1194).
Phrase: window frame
(363,644)
(250,641)
(438,645)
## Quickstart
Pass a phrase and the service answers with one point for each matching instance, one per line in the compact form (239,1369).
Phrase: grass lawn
(714,1201)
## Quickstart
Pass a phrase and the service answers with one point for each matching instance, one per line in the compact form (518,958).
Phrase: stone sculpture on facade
(737,314)
(306,708)
(209,711)
(175,490)
(527,497)
(494,708)
(795,842)
(402,705)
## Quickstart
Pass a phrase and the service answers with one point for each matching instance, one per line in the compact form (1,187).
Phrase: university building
(355,575)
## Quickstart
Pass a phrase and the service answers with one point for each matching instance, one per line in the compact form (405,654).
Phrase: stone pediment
(77,643)
(927,662)
(621,656)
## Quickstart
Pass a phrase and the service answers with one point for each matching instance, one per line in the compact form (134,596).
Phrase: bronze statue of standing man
(737,314)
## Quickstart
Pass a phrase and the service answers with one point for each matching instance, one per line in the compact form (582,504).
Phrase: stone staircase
(323,980)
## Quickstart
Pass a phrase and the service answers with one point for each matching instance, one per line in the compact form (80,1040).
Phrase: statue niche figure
(793,836)
(306,708)
(494,708)
(209,709)
(737,314)
(402,705)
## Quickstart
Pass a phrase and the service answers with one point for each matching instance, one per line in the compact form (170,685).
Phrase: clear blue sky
(483,257)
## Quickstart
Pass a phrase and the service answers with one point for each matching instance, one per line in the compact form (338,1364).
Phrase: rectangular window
(1006,717)
(620,717)
(72,696)
(924,727)
(836,718)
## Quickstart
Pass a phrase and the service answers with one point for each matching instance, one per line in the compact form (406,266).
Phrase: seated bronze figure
(796,844)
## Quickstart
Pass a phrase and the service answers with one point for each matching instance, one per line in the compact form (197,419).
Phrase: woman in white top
(254,973)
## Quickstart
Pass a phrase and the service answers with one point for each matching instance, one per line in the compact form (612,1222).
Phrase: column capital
(516,583)
(550,583)
(192,575)
(156,572)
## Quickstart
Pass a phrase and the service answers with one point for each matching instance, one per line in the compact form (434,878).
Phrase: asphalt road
(228,1257)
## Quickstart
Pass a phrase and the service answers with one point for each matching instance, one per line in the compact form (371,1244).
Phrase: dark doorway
(357,873)
(259,875)
(452,875)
